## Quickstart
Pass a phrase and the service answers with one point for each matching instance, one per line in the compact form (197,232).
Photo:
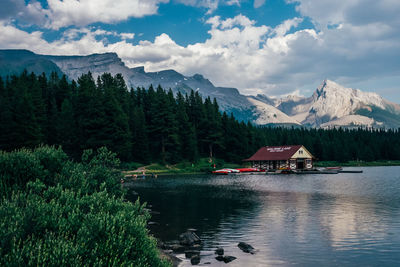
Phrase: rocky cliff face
(331,105)
(229,99)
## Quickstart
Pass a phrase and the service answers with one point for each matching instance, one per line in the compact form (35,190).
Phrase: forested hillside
(154,125)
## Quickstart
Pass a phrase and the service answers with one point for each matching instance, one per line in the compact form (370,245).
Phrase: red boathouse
(282,157)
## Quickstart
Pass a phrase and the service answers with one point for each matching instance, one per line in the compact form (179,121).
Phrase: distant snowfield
(352,120)
(269,114)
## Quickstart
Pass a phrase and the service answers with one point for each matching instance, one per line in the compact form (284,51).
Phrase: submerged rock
(219,258)
(246,248)
(229,258)
(225,259)
(219,251)
(190,253)
(195,260)
(189,239)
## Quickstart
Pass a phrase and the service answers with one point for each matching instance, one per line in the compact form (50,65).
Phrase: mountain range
(331,105)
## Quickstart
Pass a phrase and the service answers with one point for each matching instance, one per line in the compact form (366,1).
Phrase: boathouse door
(300,164)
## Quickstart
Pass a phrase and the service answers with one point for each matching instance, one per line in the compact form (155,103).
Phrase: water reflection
(345,219)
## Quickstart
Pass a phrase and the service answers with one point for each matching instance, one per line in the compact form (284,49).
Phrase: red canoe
(248,170)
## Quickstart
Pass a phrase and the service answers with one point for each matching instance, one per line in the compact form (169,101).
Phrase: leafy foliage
(57,212)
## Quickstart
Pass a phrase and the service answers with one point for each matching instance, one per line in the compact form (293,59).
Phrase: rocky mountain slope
(331,105)
(229,99)
(15,61)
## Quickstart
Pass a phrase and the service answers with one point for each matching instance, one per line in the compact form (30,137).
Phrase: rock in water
(195,260)
(246,248)
(189,239)
(225,259)
(190,253)
(219,258)
(219,251)
(229,259)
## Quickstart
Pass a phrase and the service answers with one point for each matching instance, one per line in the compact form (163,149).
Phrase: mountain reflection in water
(302,220)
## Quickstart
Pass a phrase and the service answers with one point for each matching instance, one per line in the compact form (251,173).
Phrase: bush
(57,212)
(97,171)
(53,226)
(17,169)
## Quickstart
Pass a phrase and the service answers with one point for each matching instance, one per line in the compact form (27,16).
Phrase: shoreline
(321,164)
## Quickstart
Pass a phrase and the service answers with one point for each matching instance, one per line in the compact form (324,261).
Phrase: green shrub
(53,160)
(18,168)
(53,226)
(57,212)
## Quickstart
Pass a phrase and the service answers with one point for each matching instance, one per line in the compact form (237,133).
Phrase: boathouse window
(301,152)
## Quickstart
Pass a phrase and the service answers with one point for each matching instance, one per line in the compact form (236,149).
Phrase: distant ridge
(15,61)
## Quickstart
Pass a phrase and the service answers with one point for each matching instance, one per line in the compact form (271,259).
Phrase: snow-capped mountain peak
(332,101)
(330,89)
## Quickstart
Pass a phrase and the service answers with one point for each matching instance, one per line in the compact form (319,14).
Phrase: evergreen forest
(148,125)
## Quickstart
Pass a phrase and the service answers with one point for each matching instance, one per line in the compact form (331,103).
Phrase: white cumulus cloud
(211,5)
(64,13)
(258,3)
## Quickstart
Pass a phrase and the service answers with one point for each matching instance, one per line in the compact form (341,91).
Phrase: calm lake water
(292,220)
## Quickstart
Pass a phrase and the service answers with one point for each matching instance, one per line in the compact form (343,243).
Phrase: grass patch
(201,166)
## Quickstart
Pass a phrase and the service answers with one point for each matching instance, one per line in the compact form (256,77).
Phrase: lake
(292,220)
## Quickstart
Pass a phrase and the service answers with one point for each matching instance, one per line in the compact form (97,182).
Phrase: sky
(271,47)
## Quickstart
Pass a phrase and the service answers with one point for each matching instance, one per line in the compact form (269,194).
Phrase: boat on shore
(225,171)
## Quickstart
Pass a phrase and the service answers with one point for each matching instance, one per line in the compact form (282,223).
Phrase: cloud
(258,3)
(16,9)
(283,28)
(127,36)
(355,12)
(64,13)
(211,5)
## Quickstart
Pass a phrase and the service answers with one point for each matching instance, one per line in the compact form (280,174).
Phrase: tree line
(155,125)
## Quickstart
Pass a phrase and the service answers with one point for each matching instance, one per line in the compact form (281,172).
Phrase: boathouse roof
(277,153)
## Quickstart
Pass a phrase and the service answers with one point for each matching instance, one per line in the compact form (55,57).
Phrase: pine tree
(186,132)
(66,129)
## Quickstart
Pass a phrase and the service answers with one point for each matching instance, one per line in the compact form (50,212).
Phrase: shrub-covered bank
(57,212)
